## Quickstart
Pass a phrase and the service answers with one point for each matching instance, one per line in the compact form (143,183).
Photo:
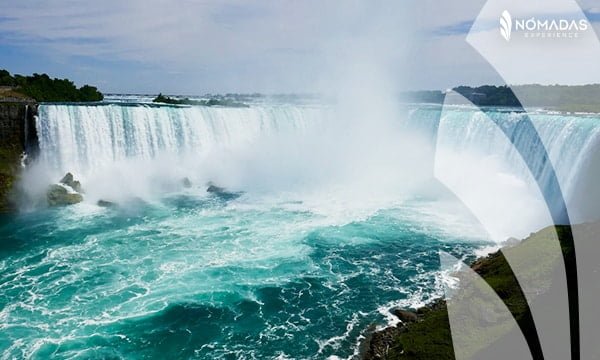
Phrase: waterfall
(85,139)
(571,142)
(79,138)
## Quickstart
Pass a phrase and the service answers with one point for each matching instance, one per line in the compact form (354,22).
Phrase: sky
(201,46)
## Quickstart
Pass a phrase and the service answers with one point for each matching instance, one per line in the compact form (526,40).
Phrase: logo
(547,28)
(506,25)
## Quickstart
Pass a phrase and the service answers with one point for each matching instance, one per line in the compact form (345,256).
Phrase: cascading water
(570,140)
(337,221)
(78,138)
(138,150)
(201,142)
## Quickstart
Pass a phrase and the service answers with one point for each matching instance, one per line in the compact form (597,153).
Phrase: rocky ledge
(68,191)
(17,138)
(424,333)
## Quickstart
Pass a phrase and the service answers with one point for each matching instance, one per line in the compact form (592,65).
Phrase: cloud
(459,28)
(198,36)
(193,46)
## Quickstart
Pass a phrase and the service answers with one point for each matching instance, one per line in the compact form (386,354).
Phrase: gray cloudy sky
(195,46)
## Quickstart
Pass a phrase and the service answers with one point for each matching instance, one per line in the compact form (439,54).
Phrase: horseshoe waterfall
(315,224)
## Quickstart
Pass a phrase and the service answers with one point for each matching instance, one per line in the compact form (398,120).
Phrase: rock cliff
(18,137)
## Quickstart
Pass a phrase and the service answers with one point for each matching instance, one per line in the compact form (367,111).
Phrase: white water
(80,138)
(476,140)
(125,274)
(336,160)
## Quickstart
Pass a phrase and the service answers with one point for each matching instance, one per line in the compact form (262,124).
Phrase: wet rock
(405,316)
(66,192)
(212,188)
(67,179)
(377,344)
(222,193)
(59,195)
(70,181)
(106,204)
(186,183)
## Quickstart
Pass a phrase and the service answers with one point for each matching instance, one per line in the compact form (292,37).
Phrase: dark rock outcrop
(405,316)
(416,327)
(66,192)
(221,193)
(376,344)
(106,204)
(59,195)
(186,182)
(213,101)
(212,188)
(430,337)
(70,181)
(17,137)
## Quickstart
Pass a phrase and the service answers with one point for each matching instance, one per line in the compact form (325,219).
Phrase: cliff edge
(17,138)
(424,333)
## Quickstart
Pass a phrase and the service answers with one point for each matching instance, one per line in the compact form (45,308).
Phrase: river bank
(19,98)
(424,333)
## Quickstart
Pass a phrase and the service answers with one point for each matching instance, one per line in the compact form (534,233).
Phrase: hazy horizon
(244,47)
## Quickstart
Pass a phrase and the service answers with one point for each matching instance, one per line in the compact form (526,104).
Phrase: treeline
(561,97)
(568,98)
(215,101)
(425,96)
(489,95)
(43,88)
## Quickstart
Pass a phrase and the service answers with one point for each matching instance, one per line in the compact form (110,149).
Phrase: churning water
(327,224)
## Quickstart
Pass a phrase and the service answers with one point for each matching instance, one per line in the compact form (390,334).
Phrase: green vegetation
(433,96)
(430,337)
(579,108)
(167,100)
(489,95)
(579,98)
(220,101)
(486,95)
(10,94)
(426,339)
(559,96)
(45,89)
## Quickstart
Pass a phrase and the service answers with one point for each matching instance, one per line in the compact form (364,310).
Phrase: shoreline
(424,332)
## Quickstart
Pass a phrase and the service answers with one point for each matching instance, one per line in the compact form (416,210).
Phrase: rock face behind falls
(17,137)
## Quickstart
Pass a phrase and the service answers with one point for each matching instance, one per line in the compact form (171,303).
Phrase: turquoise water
(332,221)
(197,276)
